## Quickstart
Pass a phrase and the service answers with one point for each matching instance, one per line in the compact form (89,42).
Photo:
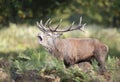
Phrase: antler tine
(41,24)
(50,21)
(80,20)
(69,29)
(79,27)
(71,26)
(83,27)
(43,27)
(40,27)
(58,25)
(47,22)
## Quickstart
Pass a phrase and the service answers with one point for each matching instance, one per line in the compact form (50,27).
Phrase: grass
(22,56)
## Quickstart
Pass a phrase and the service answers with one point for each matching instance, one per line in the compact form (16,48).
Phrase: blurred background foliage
(104,12)
(19,48)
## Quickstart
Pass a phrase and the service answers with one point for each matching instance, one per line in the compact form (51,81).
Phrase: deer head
(48,34)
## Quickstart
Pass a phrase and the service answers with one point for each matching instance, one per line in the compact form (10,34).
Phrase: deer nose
(40,38)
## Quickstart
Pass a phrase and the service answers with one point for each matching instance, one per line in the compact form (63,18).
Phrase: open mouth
(40,38)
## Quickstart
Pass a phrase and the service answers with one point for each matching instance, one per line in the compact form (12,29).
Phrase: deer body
(72,50)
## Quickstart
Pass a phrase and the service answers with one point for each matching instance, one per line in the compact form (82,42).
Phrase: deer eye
(40,38)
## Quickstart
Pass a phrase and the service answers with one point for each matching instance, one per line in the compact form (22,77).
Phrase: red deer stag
(71,50)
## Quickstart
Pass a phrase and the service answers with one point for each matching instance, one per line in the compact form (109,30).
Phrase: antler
(71,28)
(40,26)
(43,27)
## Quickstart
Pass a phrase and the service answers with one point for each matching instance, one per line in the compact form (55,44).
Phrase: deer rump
(73,50)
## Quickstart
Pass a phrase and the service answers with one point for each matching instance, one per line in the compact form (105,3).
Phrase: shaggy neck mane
(56,48)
